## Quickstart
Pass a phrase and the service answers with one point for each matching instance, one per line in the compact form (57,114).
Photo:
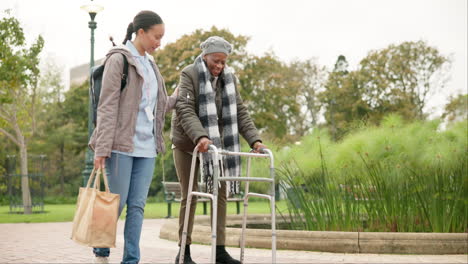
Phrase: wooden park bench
(173,194)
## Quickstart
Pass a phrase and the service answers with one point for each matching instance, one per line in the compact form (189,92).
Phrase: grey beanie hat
(215,44)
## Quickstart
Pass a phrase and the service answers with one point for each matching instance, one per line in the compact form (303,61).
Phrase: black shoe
(223,257)
(187,257)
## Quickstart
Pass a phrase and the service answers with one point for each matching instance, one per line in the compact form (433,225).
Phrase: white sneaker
(100,260)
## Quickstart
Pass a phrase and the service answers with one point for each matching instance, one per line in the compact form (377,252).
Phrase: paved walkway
(50,243)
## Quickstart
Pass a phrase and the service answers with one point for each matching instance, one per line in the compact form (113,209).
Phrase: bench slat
(172,193)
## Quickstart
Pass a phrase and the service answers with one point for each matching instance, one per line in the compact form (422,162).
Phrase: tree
(341,65)
(343,99)
(66,137)
(456,109)
(312,78)
(61,131)
(398,79)
(273,92)
(401,78)
(54,132)
(19,75)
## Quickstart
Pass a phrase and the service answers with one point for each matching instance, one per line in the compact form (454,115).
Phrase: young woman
(128,134)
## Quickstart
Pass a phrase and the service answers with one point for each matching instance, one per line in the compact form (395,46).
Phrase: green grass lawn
(64,212)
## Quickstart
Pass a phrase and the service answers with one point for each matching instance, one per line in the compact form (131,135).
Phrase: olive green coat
(186,126)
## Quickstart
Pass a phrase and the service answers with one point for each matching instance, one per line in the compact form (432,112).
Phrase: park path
(50,243)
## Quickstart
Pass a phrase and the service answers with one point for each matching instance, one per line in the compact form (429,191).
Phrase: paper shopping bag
(96,214)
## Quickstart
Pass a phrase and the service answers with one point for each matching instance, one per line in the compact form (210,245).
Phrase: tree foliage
(63,129)
(311,77)
(19,74)
(270,90)
(457,108)
(397,79)
(401,78)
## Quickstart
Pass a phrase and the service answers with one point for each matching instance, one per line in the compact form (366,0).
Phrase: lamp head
(92,9)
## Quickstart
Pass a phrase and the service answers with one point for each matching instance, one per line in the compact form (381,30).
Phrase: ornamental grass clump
(393,178)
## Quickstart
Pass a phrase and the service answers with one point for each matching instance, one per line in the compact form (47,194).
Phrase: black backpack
(96,83)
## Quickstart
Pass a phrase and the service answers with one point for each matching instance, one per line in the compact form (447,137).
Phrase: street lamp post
(92,9)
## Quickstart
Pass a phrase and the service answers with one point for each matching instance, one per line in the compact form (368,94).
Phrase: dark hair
(145,19)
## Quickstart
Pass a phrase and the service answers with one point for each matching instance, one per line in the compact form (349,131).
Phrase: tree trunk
(62,167)
(26,193)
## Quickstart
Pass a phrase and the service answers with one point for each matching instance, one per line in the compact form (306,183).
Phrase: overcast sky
(292,29)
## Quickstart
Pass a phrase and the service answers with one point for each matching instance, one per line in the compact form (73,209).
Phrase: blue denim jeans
(131,178)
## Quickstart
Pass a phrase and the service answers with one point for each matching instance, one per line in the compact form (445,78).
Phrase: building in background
(80,74)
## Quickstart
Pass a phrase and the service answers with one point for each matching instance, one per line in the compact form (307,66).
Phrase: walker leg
(214,223)
(184,230)
(214,212)
(187,208)
(244,225)
(273,216)
(244,218)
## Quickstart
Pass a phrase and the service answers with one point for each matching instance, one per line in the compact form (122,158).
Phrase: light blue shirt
(144,140)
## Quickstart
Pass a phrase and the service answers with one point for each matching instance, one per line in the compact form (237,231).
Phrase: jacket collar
(122,49)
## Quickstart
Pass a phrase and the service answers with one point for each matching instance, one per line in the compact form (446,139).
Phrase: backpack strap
(123,82)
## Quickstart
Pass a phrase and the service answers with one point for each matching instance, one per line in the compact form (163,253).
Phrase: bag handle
(91,178)
(106,183)
(97,180)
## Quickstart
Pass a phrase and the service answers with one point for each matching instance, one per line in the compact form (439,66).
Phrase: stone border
(337,242)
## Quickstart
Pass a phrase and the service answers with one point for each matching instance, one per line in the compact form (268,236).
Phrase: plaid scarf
(207,112)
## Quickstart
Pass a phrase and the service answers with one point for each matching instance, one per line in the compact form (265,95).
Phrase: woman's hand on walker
(258,147)
(203,144)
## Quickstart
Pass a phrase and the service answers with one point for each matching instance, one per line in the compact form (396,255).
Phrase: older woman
(209,110)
